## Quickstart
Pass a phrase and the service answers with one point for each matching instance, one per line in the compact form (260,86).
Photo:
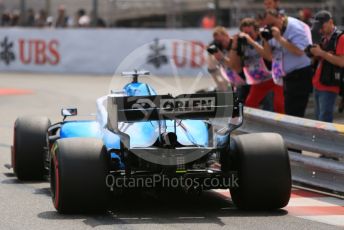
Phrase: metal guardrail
(325,139)
(321,173)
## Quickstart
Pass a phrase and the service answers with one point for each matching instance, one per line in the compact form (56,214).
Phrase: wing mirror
(69,112)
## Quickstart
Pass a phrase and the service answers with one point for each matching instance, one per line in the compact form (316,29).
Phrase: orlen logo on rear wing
(186,105)
(166,107)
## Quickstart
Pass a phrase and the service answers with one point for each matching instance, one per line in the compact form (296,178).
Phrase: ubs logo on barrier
(189,54)
(31,51)
(157,57)
(39,52)
(6,53)
(182,54)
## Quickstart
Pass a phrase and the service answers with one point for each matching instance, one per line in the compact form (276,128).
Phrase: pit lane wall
(102,51)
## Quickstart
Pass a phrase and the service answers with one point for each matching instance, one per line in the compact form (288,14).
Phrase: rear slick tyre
(263,167)
(78,171)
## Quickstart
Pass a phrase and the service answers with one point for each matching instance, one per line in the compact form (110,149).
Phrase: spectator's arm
(264,51)
(333,59)
(291,47)
(295,43)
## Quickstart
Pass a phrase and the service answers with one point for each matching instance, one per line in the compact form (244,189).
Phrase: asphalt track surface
(28,205)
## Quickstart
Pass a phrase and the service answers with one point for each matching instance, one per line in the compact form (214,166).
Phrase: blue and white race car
(139,136)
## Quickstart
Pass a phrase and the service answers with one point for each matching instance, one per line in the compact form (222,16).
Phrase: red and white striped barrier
(311,206)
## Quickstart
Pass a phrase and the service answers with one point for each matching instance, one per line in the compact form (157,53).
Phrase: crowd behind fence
(41,19)
(175,14)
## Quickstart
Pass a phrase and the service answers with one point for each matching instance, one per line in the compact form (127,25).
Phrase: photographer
(328,76)
(247,55)
(285,43)
(217,57)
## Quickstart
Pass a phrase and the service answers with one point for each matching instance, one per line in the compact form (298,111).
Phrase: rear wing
(165,107)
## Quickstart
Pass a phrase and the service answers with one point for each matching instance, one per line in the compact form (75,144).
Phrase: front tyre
(30,144)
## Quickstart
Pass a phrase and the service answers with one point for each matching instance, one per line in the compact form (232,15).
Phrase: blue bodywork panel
(72,129)
(80,129)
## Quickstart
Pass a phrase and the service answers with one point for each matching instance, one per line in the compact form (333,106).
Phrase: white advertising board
(104,51)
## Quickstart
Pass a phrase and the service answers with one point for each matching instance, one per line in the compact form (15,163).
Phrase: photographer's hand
(317,51)
(247,37)
(276,33)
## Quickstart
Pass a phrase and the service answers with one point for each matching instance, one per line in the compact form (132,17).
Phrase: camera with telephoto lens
(242,43)
(266,32)
(214,47)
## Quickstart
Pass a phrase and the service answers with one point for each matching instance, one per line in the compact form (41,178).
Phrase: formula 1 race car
(141,139)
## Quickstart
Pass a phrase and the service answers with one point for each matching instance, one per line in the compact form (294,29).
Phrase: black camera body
(242,43)
(308,52)
(266,32)
(214,47)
